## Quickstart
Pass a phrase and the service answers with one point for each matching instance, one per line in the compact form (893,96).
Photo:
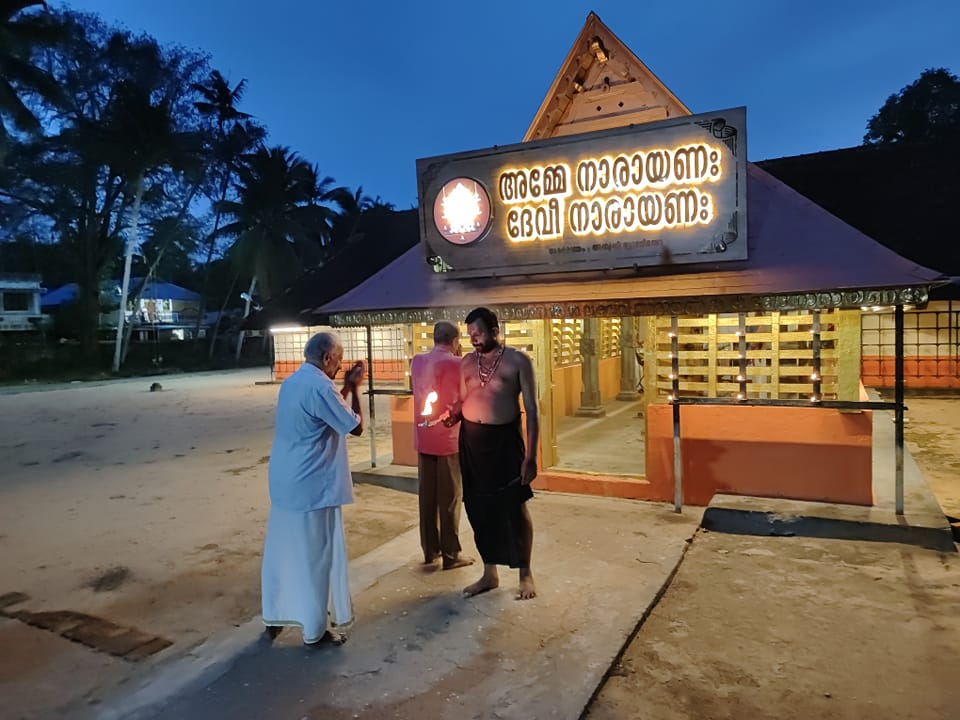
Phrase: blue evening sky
(363,88)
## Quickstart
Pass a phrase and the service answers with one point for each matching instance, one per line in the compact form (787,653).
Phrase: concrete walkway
(419,649)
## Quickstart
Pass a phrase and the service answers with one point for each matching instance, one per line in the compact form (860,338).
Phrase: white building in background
(20,303)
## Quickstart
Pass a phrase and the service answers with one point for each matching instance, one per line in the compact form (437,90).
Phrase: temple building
(632,251)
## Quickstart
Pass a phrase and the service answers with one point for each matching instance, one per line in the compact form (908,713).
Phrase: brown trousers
(441,493)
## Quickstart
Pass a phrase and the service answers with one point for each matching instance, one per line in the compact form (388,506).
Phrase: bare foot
(527,588)
(458,562)
(489,581)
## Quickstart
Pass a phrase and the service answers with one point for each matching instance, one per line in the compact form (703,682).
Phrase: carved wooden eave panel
(685,306)
(601,85)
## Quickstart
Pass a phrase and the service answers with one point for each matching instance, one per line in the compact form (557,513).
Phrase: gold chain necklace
(486,375)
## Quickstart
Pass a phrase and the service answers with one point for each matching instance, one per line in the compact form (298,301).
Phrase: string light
(740,396)
(814,398)
(739,378)
(814,377)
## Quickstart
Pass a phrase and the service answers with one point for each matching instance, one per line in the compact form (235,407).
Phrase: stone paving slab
(745,515)
(94,632)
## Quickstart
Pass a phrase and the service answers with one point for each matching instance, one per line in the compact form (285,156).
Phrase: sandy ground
(145,508)
(149,509)
(932,434)
(791,628)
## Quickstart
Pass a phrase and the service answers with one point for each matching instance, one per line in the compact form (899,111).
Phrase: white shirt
(309,469)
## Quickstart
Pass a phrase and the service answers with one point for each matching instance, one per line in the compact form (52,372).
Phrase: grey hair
(319,344)
(445,332)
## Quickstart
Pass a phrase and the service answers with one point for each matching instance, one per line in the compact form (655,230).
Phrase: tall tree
(20,35)
(168,248)
(220,100)
(140,137)
(353,207)
(234,135)
(927,109)
(83,176)
(282,219)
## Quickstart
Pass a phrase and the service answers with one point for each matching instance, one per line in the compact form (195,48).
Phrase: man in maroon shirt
(441,490)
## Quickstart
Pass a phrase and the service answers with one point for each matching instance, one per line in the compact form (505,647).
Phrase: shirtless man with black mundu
(498,466)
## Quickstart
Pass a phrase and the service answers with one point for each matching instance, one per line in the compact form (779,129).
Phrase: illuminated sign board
(655,194)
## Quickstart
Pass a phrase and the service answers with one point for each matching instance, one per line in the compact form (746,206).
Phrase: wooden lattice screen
(566,341)
(522,335)
(417,338)
(568,332)
(779,358)
(609,337)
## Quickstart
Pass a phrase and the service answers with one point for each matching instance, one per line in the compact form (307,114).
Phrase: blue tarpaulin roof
(59,296)
(155,290)
(159,290)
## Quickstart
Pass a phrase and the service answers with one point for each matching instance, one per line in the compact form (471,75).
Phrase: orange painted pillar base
(401,420)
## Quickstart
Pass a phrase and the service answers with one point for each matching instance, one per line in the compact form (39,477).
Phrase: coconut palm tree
(220,100)
(9,8)
(81,177)
(234,135)
(282,218)
(354,206)
(19,36)
(140,136)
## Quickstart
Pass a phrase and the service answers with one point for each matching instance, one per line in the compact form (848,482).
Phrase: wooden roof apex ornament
(601,84)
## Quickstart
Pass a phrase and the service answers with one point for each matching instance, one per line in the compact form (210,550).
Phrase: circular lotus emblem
(461,211)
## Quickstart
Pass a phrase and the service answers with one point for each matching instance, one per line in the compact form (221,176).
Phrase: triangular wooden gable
(601,85)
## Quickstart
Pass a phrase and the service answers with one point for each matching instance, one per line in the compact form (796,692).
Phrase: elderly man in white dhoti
(304,573)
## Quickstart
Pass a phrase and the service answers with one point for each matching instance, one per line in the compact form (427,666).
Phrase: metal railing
(815,402)
(931,339)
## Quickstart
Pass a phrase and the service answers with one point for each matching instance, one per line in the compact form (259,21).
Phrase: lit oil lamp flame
(428,409)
